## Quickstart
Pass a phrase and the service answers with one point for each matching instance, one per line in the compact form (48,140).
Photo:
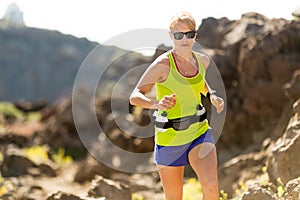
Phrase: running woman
(182,132)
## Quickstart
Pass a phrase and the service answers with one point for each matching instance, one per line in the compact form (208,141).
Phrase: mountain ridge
(41,64)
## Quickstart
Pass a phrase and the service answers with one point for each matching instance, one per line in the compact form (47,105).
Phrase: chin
(185,46)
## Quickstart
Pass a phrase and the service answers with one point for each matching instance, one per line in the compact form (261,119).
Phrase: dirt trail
(27,128)
(63,182)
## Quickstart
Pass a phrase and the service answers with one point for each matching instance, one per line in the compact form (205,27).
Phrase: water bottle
(161,118)
(200,110)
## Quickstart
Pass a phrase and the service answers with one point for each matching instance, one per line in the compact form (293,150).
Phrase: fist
(217,102)
(167,102)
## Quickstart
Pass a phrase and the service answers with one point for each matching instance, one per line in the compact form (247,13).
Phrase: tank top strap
(172,61)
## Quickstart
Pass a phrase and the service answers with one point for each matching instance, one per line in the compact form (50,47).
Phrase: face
(186,43)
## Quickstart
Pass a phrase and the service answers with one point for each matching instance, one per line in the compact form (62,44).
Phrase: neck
(183,55)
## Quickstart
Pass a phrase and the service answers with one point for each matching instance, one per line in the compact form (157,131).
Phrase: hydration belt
(178,124)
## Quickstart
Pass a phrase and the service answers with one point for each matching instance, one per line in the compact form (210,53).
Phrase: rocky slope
(257,57)
(278,160)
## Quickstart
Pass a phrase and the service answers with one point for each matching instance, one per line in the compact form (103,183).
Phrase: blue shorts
(178,155)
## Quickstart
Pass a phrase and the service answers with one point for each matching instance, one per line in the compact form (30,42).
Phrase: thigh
(203,160)
(172,181)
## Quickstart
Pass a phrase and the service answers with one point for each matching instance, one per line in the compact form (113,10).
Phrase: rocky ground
(32,169)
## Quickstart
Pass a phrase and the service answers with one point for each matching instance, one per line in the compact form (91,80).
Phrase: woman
(182,134)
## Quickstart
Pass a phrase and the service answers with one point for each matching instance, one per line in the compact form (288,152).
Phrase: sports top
(187,90)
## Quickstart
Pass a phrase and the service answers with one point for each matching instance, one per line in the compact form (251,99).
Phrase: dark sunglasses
(179,35)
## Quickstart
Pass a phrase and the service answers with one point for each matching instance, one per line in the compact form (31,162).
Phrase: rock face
(293,189)
(63,196)
(280,157)
(256,192)
(111,190)
(256,56)
(285,160)
(16,164)
(240,169)
(292,88)
(261,192)
(61,127)
(91,167)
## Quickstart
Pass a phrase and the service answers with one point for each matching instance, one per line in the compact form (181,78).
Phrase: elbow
(134,97)
(132,100)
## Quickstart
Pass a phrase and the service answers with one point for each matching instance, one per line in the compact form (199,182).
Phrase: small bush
(10,112)
(61,158)
(37,154)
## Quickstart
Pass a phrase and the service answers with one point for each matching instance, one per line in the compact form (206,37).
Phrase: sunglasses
(179,35)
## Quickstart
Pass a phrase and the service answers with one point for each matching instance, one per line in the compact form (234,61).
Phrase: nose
(184,37)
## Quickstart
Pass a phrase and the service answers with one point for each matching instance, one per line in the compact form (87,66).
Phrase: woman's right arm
(157,72)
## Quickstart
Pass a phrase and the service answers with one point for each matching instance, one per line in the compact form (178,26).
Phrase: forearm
(207,89)
(139,99)
(209,93)
(214,99)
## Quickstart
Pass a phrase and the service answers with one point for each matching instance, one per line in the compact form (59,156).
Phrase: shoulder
(204,59)
(161,63)
(159,68)
(162,60)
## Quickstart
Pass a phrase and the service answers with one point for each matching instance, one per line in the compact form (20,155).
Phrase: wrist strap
(210,92)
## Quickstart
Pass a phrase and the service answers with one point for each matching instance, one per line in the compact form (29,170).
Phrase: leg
(172,181)
(203,160)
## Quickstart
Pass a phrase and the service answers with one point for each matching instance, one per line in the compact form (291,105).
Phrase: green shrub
(10,112)
(61,158)
(37,154)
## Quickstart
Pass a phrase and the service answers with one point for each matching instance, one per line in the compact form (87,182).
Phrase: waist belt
(162,122)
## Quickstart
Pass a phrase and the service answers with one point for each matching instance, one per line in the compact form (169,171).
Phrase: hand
(217,102)
(167,102)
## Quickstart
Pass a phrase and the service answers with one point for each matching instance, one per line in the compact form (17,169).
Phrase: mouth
(184,45)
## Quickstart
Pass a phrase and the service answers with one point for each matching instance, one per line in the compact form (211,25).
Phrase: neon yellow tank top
(187,90)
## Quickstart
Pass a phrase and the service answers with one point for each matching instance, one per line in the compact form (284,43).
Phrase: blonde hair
(184,17)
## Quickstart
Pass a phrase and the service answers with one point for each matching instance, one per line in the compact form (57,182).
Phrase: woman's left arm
(216,101)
